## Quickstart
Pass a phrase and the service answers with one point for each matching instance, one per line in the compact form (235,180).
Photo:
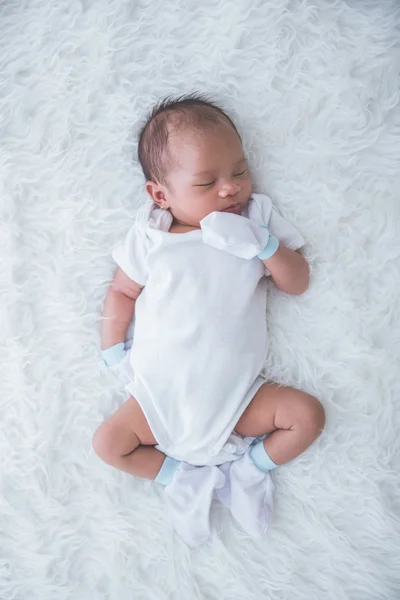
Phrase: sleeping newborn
(193,269)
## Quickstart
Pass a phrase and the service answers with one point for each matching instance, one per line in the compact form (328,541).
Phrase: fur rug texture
(314,88)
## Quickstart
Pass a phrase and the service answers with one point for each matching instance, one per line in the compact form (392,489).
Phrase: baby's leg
(125,441)
(293,418)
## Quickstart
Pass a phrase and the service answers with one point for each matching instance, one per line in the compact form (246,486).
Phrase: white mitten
(238,236)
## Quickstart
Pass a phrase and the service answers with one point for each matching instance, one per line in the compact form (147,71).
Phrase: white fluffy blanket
(314,88)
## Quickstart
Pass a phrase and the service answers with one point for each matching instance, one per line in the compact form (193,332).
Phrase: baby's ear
(156,193)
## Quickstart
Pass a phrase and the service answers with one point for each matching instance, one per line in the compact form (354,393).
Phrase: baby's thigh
(130,418)
(276,407)
(258,418)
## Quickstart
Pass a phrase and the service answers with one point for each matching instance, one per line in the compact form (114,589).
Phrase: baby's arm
(289,270)
(118,309)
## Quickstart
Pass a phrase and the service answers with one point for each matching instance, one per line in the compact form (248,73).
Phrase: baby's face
(209,173)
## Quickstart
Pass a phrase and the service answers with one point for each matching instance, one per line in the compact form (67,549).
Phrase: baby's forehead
(194,150)
(183,151)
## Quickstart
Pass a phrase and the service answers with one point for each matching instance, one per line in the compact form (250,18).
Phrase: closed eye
(210,183)
(205,184)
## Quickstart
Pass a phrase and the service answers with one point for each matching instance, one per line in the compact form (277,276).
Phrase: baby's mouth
(235,208)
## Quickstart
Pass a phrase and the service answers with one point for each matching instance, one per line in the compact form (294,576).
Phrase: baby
(193,270)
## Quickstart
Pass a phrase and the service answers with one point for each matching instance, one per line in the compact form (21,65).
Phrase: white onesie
(200,337)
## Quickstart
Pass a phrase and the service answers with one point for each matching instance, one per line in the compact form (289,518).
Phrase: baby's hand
(238,236)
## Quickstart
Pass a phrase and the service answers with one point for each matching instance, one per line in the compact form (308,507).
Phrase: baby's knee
(103,442)
(313,416)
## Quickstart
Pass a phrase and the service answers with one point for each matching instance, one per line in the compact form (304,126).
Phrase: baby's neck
(179,227)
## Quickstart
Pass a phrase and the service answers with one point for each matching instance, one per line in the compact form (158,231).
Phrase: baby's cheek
(247,194)
(247,187)
(206,209)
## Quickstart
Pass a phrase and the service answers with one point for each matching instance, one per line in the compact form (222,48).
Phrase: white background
(314,89)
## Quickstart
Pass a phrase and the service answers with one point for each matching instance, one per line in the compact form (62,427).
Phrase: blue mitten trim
(271,247)
(112,356)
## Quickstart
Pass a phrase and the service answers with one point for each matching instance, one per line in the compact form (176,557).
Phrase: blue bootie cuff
(260,457)
(167,471)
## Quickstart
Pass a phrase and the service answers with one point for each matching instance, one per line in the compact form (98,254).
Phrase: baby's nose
(229,189)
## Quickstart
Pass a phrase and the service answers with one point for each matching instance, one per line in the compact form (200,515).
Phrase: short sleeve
(130,254)
(262,211)
(284,231)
